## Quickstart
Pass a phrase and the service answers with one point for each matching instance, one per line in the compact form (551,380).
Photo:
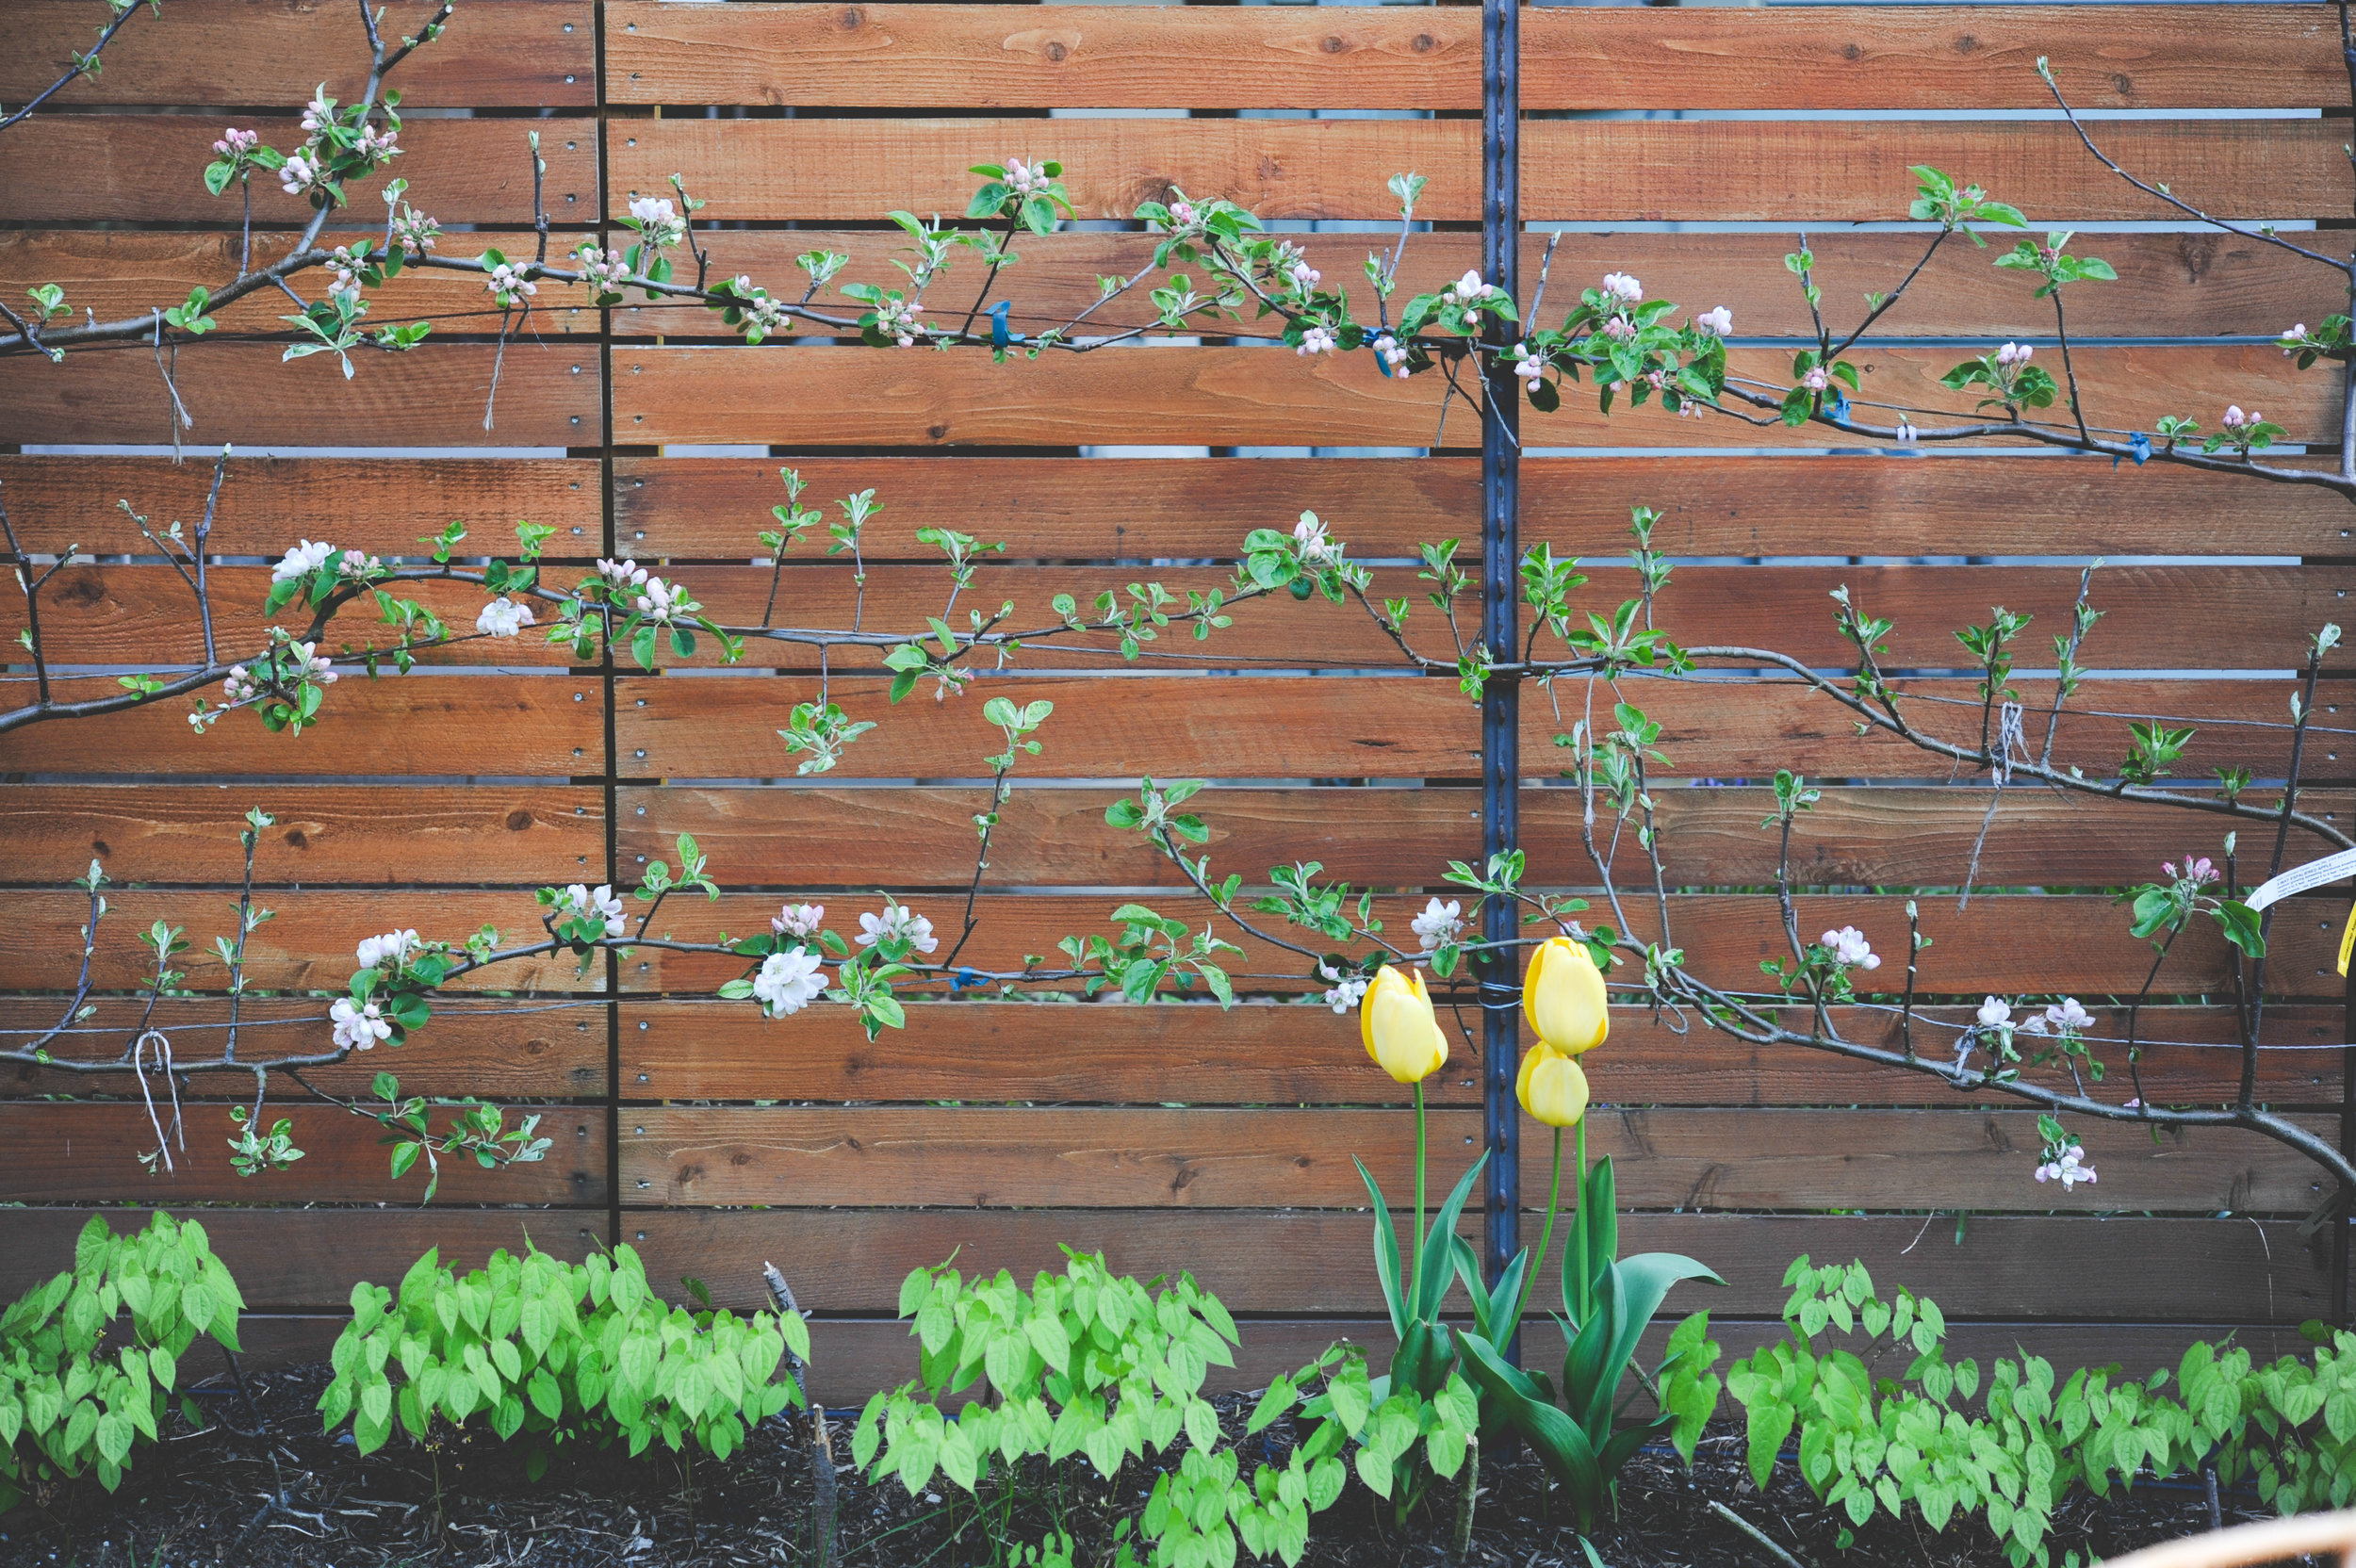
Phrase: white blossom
(1346,992)
(1623,288)
(1717,323)
(622,573)
(601,270)
(2015,353)
(1995,1013)
(506,280)
(314,665)
(658,221)
(2068,1015)
(359,566)
(389,951)
(787,982)
(1849,947)
(301,561)
(319,113)
(1530,367)
(1392,353)
(301,174)
(1438,925)
(1816,380)
(504,617)
(234,143)
(1309,537)
(1025,178)
(1316,340)
(358,1028)
(897,920)
(2067,1168)
(602,903)
(798,920)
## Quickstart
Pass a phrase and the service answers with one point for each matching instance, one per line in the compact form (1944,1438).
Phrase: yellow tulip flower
(1552,1087)
(1563,999)
(1401,1033)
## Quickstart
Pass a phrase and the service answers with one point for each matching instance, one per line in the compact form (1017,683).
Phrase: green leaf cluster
(561,1352)
(88,1360)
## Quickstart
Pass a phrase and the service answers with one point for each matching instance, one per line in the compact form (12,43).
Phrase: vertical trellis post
(1500,748)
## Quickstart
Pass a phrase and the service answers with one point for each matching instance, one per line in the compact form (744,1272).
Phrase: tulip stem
(1577,1308)
(1554,1204)
(1415,1287)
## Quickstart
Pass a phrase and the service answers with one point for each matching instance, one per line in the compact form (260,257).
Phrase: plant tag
(2316,873)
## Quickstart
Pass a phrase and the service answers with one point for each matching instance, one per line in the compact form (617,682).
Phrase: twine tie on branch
(139,1066)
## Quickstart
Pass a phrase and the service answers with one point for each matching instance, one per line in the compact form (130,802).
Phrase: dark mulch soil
(293,1498)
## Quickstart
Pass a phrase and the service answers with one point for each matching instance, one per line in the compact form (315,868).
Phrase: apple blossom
(389,951)
(504,617)
(1346,992)
(2233,415)
(798,920)
(787,982)
(359,1027)
(2015,353)
(898,921)
(301,174)
(1316,340)
(1717,323)
(1848,946)
(2066,1169)
(1438,925)
(236,144)
(1995,1013)
(1310,539)
(602,903)
(1623,288)
(301,561)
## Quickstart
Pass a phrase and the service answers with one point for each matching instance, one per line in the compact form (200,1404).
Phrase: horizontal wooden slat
(845,1263)
(1233,396)
(90,1153)
(326,834)
(1302,1055)
(513,725)
(521,53)
(947,57)
(2048,944)
(723,727)
(121,273)
(459,170)
(988,1158)
(1597,171)
(434,396)
(1142,508)
(2170,284)
(309,946)
(910,838)
(535,1050)
(267,502)
(290,1260)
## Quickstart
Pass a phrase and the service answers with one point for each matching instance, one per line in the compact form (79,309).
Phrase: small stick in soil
(1754,1533)
(822,1480)
(1467,1495)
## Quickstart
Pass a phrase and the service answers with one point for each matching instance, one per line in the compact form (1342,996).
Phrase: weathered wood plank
(1602,171)
(1694,1160)
(434,396)
(1145,508)
(535,1050)
(853,1263)
(326,834)
(90,1153)
(1302,1056)
(294,1259)
(720,727)
(121,274)
(2046,944)
(506,53)
(145,167)
(308,947)
(2172,285)
(513,725)
(268,502)
(1883,836)
(949,57)
(1235,395)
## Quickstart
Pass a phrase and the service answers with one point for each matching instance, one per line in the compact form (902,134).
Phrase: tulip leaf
(1561,1445)
(1386,1252)
(1432,1280)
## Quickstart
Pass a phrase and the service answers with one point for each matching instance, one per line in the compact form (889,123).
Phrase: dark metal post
(2345,1214)
(1500,706)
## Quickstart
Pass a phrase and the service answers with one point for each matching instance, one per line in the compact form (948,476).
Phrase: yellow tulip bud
(1552,1087)
(1563,997)
(1401,1033)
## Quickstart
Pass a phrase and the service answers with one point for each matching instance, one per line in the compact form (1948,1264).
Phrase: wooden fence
(1179,1136)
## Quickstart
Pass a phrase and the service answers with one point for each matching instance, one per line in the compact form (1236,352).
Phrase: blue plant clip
(1840,410)
(966,979)
(999,336)
(2142,446)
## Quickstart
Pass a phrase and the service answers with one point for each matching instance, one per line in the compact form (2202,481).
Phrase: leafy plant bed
(291,1497)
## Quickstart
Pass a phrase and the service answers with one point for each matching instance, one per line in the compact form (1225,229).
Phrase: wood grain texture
(294,1259)
(1312,1263)
(1185,394)
(948,57)
(524,54)
(1305,1056)
(308,947)
(434,396)
(534,1050)
(820,835)
(266,502)
(2047,945)
(1597,171)
(90,1153)
(514,725)
(123,274)
(326,834)
(1144,508)
(460,170)
(722,726)
(2172,285)
(974,1157)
